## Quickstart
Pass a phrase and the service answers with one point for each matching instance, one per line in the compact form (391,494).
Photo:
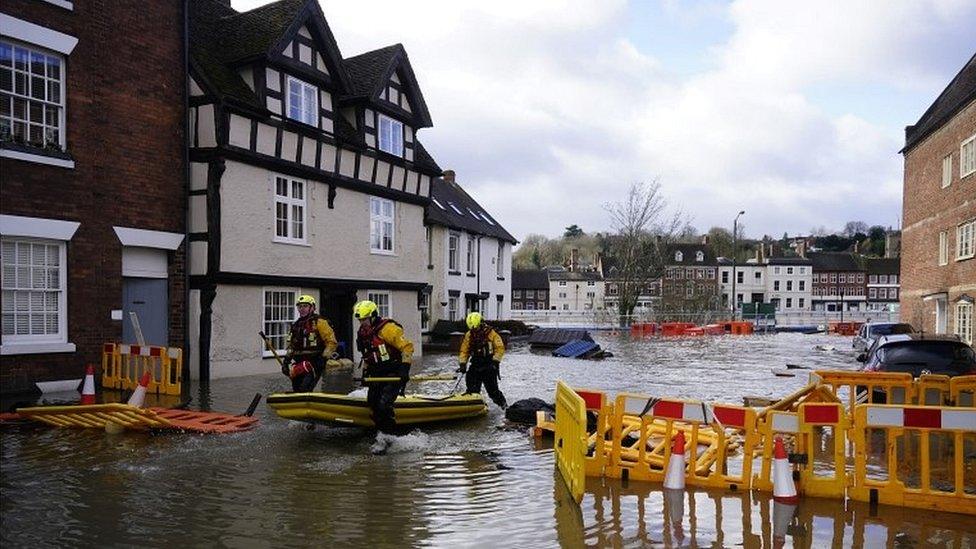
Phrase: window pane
(297,190)
(281,186)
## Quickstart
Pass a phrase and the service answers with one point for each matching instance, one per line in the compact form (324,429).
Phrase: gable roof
(883,265)
(444,194)
(960,92)
(788,261)
(530,279)
(575,275)
(835,261)
(371,71)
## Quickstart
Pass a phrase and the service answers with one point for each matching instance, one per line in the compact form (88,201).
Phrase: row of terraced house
(201,168)
(696,280)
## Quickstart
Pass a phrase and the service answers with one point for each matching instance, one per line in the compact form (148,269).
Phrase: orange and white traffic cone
(139,395)
(674,477)
(88,390)
(784,490)
(782,517)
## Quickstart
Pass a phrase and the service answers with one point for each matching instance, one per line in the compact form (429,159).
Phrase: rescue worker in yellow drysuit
(386,353)
(485,348)
(310,344)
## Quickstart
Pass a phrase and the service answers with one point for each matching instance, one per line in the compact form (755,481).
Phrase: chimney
(705,239)
(448,176)
(574,260)
(801,248)
(856,246)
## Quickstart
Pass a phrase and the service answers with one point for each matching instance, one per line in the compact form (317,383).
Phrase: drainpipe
(186,189)
(478,278)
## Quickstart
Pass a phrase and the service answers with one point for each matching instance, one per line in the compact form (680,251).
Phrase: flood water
(470,484)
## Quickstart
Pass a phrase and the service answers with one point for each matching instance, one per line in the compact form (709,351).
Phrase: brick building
(883,285)
(690,283)
(938,246)
(92,114)
(530,289)
(839,282)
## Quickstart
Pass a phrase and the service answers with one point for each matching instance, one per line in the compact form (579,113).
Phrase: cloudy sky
(791,111)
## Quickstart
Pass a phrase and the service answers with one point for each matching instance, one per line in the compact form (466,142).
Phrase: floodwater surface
(469,484)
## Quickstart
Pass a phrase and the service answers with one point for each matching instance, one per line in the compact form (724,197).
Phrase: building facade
(789,284)
(938,239)
(469,257)
(750,282)
(690,283)
(839,282)
(530,290)
(92,217)
(306,177)
(576,290)
(883,284)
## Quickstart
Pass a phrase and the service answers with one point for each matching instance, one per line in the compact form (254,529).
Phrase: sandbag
(523,411)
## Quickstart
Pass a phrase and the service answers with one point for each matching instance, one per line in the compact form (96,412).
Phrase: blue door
(149,299)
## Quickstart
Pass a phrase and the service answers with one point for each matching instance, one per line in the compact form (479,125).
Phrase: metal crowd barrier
(123,366)
(732,447)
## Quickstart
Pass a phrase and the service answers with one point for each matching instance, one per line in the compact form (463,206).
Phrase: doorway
(336,307)
(149,299)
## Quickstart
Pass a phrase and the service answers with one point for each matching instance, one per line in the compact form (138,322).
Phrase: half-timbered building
(306,177)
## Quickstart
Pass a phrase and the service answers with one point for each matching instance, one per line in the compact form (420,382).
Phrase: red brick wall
(125,112)
(927,210)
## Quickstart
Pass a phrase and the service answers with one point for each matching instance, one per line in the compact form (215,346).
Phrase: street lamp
(735,228)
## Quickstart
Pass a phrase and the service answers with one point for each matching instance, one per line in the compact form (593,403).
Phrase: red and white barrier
(921,418)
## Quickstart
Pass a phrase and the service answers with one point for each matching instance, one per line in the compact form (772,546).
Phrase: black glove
(496,364)
(285,363)
(462,368)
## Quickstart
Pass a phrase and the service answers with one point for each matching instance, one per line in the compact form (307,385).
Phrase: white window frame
(452,308)
(379,224)
(59,102)
(966,240)
(290,204)
(967,157)
(287,305)
(699,256)
(383,300)
(500,260)
(964,322)
(946,170)
(943,248)
(471,261)
(10,267)
(678,256)
(424,308)
(307,113)
(453,252)
(390,135)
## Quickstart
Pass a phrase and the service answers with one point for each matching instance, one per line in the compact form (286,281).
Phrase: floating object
(782,373)
(98,416)
(756,401)
(138,397)
(557,337)
(825,348)
(338,409)
(674,478)
(796,367)
(577,348)
(204,422)
(59,386)
(253,406)
(784,490)
(88,391)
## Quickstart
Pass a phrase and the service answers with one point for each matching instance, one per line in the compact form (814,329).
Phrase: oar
(433,377)
(267,343)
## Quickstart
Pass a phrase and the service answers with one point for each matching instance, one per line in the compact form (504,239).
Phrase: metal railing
(609,319)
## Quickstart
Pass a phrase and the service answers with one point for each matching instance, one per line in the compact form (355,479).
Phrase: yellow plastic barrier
(962,391)
(823,442)
(95,416)
(931,390)
(123,366)
(915,456)
(571,439)
(775,422)
(861,387)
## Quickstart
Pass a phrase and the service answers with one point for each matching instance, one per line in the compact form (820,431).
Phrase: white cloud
(547,110)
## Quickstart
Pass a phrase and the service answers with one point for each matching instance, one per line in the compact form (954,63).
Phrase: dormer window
(303,101)
(700,256)
(678,256)
(391,136)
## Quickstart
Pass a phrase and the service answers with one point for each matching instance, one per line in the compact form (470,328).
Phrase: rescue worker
(386,353)
(310,343)
(485,347)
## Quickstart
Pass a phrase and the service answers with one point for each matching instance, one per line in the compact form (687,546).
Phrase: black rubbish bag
(523,411)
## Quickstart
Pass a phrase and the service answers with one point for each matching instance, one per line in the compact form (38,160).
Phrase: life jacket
(305,339)
(375,351)
(480,344)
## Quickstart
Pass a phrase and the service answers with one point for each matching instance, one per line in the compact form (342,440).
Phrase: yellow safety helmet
(364,309)
(305,299)
(473,320)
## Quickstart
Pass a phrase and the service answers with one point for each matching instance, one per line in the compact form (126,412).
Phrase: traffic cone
(784,490)
(139,395)
(88,391)
(674,477)
(674,515)
(782,517)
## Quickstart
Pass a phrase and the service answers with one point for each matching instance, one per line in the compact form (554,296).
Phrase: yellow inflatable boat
(337,409)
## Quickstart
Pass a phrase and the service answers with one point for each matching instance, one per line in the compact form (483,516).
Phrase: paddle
(267,343)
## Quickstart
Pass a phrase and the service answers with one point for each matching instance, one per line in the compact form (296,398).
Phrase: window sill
(964,258)
(472,275)
(292,242)
(25,153)
(35,348)
(382,252)
(454,273)
(500,278)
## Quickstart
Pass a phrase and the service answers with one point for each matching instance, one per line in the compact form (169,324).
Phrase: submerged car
(920,354)
(871,331)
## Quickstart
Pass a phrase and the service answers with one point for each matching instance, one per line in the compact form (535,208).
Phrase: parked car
(871,331)
(920,354)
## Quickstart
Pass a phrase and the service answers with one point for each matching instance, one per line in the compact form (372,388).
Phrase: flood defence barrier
(123,366)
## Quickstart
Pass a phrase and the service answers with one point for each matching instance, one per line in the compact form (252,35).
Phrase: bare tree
(643,231)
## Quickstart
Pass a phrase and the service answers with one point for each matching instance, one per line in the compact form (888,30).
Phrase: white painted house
(469,257)
(789,282)
(306,177)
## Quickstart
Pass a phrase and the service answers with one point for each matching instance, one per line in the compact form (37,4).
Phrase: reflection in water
(470,484)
